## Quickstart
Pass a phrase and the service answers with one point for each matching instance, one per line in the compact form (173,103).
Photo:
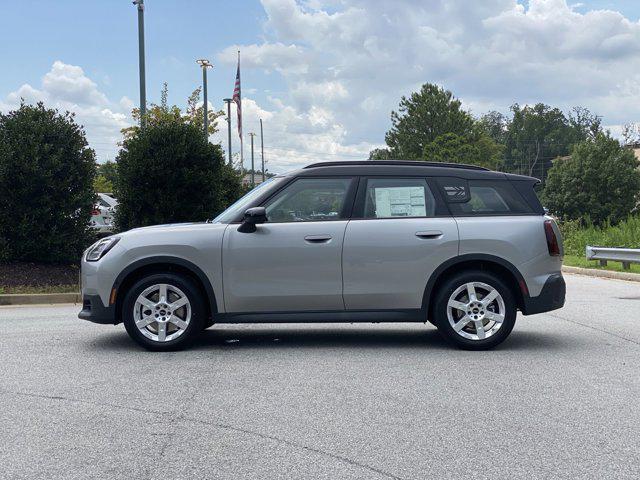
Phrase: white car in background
(103,213)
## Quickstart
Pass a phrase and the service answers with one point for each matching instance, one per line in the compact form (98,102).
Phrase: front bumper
(94,310)
(551,297)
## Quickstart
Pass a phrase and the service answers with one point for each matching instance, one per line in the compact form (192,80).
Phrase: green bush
(577,235)
(46,186)
(600,182)
(168,172)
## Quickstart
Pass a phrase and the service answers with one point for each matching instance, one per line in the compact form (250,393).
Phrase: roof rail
(412,163)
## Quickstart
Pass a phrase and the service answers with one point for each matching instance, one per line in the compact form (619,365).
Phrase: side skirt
(341,316)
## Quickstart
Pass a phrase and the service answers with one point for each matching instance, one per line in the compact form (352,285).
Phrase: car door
(293,262)
(399,234)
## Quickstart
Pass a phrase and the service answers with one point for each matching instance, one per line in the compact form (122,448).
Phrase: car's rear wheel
(164,312)
(475,310)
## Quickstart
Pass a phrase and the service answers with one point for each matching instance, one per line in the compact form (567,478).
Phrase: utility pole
(204,63)
(228,102)
(143,92)
(262,148)
(253,168)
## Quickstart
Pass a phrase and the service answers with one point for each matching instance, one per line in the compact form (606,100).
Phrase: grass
(576,261)
(42,289)
(576,237)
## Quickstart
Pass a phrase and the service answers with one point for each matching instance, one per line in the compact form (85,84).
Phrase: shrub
(46,186)
(599,182)
(168,172)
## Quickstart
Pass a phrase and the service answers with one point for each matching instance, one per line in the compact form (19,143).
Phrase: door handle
(317,238)
(427,234)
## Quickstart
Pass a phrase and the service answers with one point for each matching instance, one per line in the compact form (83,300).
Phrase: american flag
(237,98)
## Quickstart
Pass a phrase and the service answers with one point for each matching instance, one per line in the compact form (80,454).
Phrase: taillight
(95,213)
(552,239)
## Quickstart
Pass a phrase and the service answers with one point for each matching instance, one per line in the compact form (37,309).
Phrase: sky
(323,75)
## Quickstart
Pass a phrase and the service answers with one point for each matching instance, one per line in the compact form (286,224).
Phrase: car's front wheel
(475,310)
(164,312)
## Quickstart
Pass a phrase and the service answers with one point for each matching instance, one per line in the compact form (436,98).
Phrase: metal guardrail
(626,256)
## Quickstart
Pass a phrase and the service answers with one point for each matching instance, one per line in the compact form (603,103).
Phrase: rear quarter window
(491,197)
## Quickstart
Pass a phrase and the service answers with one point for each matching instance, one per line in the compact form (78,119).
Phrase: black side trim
(338,316)
(428,291)
(94,311)
(174,261)
(551,297)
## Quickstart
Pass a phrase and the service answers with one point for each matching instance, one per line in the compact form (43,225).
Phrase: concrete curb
(593,272)
(39,298)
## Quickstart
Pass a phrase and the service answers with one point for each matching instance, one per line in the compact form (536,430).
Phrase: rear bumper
(94,311)
(551,297)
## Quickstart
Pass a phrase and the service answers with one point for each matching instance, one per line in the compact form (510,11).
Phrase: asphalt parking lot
(559,399)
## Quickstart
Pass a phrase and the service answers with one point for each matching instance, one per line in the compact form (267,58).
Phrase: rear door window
(491,197)
(398,197)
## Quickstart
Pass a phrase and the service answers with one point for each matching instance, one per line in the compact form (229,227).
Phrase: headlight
(99,249)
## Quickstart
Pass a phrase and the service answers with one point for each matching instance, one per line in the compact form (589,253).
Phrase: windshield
(240,205)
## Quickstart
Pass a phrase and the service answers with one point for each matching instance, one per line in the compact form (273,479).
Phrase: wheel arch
(160,264)
(490,263)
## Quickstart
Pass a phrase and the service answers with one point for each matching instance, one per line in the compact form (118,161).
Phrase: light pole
(228,102)
(143,93)
(253,168)
(262,148)
(204,63)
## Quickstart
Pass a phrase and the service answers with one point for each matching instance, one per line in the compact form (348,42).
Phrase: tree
(600,181)
(107,173)
(423,117)
(495,125)
(46,194)
(631,133)
(380,154)
(536,135)
(102,185)
(158,114)
(585,125)
(108,170)
(169,172)
(476,149)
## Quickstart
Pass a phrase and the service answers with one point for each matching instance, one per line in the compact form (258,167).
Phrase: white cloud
(268,56)
(66,87)
(346,63)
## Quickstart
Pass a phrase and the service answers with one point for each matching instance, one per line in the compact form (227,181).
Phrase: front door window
(309,200)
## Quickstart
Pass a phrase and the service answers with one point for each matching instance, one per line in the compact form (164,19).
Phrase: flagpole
(241,130)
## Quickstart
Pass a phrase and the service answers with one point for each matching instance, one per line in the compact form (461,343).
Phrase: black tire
(441,320)
(195,325)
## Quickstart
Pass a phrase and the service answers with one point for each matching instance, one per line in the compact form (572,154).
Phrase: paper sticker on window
(400,202)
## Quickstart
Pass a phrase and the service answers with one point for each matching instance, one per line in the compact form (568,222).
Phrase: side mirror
(252,217)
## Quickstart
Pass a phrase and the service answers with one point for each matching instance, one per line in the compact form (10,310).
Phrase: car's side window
(491,197)
(398,197)
(309,200)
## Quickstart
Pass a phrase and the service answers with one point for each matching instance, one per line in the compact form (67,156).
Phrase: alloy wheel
(162,312)
(476,310)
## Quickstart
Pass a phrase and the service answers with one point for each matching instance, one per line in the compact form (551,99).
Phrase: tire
(473,324)
(167,325)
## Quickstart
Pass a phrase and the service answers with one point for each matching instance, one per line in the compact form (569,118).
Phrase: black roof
(399,167)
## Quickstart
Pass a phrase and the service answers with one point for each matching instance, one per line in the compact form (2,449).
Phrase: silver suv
(459,246)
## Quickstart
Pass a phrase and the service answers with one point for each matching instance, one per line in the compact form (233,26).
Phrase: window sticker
(400,202)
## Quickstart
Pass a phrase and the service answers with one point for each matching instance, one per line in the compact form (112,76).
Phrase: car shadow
(323,336)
